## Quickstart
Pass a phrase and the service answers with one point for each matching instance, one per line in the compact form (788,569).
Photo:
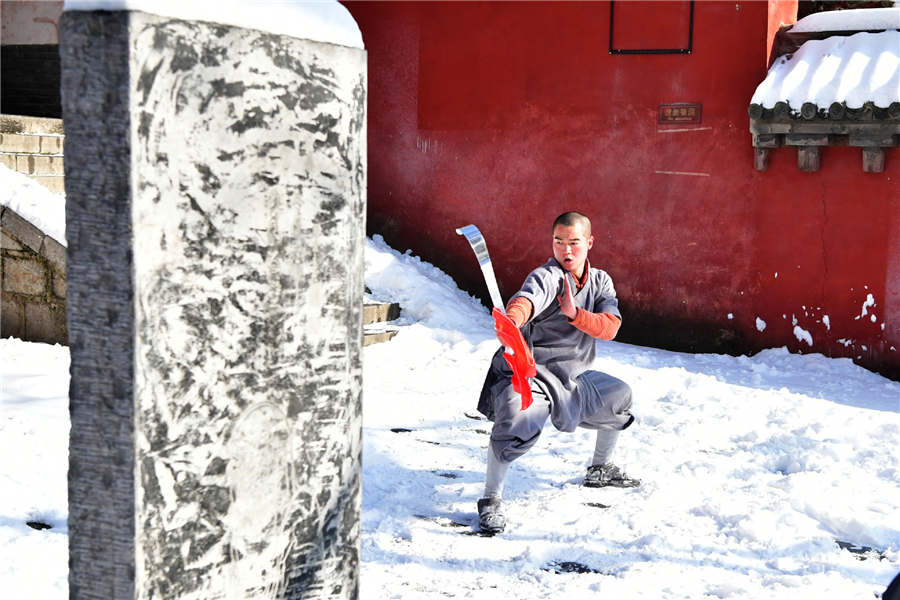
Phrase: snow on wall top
(317,20)
(860,19)
(854,69)
(34,203)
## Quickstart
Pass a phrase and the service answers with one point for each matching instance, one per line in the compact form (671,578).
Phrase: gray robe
(561,351)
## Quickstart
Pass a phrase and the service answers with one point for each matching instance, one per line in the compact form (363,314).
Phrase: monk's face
(570,247)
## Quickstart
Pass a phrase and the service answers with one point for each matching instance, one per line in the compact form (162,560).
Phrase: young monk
(562,306)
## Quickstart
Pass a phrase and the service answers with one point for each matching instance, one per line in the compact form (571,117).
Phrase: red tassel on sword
(517,354)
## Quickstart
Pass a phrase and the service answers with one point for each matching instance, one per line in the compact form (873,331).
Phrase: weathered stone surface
(255,251)
(23,276)
(38,164)
(14,142)
(873,160)
(761,158)
(25,163)
(52,144)
(44,322)
(12,317)
(58,285)
(55,253)
(809,158)
(95,91)
(7,243)
(247,219)
(22,230)
(23,124)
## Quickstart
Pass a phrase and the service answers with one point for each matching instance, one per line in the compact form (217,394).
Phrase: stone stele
(215,181)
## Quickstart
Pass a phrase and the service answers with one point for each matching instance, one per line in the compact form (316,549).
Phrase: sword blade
(479,247)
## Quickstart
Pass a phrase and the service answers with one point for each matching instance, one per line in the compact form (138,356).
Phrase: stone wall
(34,282)
(34,147)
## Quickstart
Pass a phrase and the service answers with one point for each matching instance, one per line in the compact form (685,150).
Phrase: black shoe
(490,519)
(610,475)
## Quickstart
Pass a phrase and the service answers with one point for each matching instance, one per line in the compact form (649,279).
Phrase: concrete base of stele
(215,182)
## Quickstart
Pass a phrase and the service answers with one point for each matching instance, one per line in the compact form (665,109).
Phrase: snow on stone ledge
(859,19)
(317,20)
(34,203)
(853,69)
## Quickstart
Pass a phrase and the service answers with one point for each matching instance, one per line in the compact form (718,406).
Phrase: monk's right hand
(566,301)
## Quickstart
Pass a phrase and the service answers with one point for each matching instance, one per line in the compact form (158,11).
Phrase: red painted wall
(506,114)
(781,12)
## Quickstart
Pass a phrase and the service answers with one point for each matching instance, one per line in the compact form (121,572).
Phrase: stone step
(376,335)
(380,312)
(376,316)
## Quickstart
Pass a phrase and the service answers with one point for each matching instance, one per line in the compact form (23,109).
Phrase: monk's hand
(566,302)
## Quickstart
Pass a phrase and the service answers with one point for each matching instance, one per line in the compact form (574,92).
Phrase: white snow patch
(860,19)
(746,502)
(803,335)
(827,321)
(760,325)
(318,20)
(870,302)
(853,69)
(730,316)
(34,428)
(34,203)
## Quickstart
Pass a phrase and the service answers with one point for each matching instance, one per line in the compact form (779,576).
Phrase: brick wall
(34,147)
(33,282)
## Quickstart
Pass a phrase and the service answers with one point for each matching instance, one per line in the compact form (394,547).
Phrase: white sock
(496,475)
(603,449)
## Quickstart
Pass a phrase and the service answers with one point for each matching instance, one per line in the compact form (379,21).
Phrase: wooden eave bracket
(870,128)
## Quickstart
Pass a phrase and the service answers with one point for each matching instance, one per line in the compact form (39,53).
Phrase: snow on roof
(859,19)
(855,69)
(317,20)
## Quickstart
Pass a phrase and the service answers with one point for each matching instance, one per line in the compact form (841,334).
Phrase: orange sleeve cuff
(519,310)
(599,325)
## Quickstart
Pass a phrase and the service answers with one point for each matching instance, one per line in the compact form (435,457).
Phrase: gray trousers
(600,401)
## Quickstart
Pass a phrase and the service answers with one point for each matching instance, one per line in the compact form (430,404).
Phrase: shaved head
(569,219)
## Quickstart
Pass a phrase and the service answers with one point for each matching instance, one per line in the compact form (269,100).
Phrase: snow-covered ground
(753,469)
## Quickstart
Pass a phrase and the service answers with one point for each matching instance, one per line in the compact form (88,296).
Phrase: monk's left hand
(566,302)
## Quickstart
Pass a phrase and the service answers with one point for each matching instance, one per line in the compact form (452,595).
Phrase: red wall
(781,12)
(506,114)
